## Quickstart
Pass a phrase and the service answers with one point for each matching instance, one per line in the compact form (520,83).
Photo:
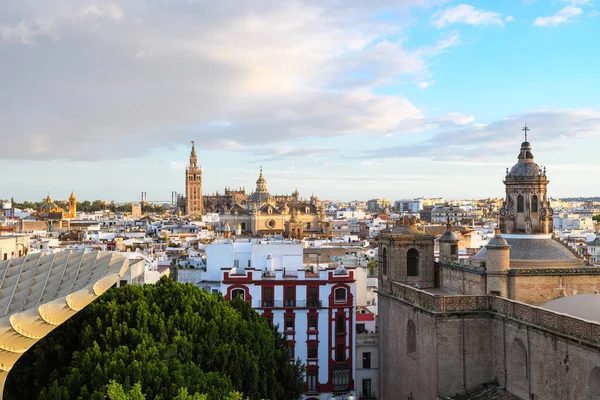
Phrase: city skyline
(392,99)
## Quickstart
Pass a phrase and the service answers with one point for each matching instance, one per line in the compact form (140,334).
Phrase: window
(366,388)
(340,324)
(534,203)
(238,293)
(267,297)
(312,351)
(366,360)
(341,378)
(311,381)
(340,295)
(290,297)
(313,296)
(236,264)
(412,263)
(312,322)
(360,328)
(520,204)
(453,249)
(243,226)
(340,352)
(308,225)
(289,323)
(383,261)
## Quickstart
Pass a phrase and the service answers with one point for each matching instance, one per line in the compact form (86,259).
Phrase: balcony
(288,304)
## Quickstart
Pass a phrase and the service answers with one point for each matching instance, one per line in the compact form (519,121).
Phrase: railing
(547,319)
(288,304)
(532,315)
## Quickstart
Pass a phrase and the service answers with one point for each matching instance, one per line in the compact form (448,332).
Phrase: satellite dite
(38,293)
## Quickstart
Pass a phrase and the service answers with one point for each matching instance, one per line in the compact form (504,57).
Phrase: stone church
(259,213)
(486,326)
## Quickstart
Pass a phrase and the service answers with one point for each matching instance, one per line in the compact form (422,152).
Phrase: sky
(344,99)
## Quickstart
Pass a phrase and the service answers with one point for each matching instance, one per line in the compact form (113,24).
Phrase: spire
(193,157)
(261,183)
(72,196)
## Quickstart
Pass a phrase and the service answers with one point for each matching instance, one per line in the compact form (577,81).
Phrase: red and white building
(315,308)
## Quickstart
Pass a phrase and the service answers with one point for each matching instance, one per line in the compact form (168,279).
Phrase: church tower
(193,186)
(526,208)
(72,205)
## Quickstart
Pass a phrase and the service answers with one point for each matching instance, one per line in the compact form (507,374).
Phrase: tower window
(412,263)
(383,261)
(520,204)
(534,203)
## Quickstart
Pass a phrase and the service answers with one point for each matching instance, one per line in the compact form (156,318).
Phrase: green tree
(164,337)
(596,218)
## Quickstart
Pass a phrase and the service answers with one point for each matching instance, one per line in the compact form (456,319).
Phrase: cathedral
(488,326)
(258,213)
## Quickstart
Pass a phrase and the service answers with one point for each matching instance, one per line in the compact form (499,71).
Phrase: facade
(566,221)
(460,327)
(467,215)
(376,205)
(13,246)
(314,307)
(594,250)
(412,206)
(42,292)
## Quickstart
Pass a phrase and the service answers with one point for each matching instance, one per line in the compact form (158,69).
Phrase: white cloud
(509,18)
(550,129)
(564,15)
(458,118)
(465,14)
(145,75)
(425,84)
(578,2)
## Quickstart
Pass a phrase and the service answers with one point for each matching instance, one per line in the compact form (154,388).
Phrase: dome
(525,169)
(260,197)
(449,236)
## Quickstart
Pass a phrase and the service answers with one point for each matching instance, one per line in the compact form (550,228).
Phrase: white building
(315,308)
(565,221)
(13,246)
(409,205)
(594,250)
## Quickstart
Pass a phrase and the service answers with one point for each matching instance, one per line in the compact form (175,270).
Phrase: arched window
(520,204)
(411,337)
(340,295)
(534,203)
(518,364)
(238,293)
(594,384)
(383,261)
(412,263)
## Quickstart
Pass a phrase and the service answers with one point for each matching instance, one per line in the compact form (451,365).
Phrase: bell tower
(193,186)
(526,207)
(72,205)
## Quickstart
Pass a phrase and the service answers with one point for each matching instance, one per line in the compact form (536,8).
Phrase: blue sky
(353,99)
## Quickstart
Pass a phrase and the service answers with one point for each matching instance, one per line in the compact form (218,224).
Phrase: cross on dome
(525,129)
